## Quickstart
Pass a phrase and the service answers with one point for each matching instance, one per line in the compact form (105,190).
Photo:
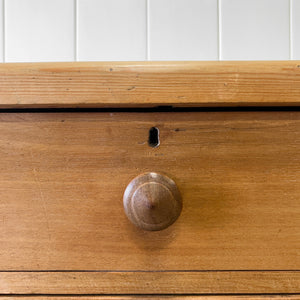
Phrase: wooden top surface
(149,84)
(156,297)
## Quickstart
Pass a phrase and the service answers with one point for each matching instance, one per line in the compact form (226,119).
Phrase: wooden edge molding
(149,84)
(146,297)
(128,283)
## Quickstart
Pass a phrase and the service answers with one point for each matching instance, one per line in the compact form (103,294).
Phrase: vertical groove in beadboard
(291,28)
(3,33)
(147,30)
(219,30)
(75,30)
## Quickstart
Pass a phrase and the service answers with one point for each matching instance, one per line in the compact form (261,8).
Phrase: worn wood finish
(271,282)
(149,84)
(152,201)
(62,179)
(161,297)
(263,297)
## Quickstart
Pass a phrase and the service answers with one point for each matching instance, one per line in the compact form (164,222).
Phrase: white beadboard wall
(137,30)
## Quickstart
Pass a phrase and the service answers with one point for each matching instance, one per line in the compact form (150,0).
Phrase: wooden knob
(152,201)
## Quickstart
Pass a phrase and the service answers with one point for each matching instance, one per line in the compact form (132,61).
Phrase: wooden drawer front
(63,176)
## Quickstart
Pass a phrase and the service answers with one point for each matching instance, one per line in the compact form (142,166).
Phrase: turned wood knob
(152,201)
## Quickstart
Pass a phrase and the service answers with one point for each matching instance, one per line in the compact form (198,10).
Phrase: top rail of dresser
(149,84)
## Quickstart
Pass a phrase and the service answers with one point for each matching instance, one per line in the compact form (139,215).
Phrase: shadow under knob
(152,201)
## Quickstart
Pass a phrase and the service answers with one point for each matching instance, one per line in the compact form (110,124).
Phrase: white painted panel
(254,29)
(1,31)
(39,30)
(111,30)
(183,29)
(295,28)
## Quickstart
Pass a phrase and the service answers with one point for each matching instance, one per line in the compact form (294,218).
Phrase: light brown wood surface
(149,84)
(271,282)
(62,179)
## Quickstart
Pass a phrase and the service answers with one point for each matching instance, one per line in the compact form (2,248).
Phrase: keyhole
(153,140)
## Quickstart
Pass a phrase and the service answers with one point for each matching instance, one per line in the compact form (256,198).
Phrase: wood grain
(149,84)
(149,282)
(161,297)
(62,179)
(152,201)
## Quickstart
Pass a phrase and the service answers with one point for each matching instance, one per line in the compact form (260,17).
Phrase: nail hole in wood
(153,140)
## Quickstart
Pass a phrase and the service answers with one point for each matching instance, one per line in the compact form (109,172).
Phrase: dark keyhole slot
(153,137)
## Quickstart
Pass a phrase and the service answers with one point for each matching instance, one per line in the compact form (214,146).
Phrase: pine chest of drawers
(140,179)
